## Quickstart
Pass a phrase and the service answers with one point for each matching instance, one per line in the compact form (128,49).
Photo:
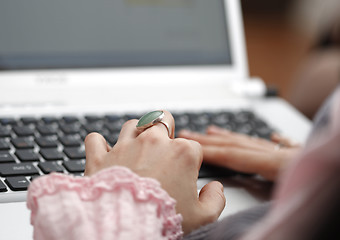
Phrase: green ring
(149,119)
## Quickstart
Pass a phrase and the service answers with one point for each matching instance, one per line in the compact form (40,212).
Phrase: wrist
(111,185)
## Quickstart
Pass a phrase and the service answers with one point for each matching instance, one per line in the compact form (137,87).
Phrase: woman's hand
(173,162)
(243,153)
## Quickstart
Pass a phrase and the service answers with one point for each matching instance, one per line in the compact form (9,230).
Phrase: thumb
(212,200)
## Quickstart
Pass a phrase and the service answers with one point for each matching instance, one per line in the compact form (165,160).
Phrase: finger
(212,200)
(128,131)
(275,137)
(95,149)
(243,160)
(199,151)
(201,138)
(95,146)
(285,142)
(214,130)
(232,140)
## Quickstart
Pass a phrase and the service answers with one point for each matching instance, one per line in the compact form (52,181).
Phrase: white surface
(14,222)
(283,117)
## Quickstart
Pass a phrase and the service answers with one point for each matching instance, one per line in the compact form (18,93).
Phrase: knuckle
(149,136)
(188,149)
(183,146)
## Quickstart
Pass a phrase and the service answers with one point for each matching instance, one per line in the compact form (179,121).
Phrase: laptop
(61,61)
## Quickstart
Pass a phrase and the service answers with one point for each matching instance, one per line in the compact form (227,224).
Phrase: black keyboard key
(47,142)
(131,116)
(222,119)
(25,155)
(5,132)
(75,153)
(264,132)
(8,121)
(3,187)
(4,145)
(49,120)
(245,128)
(29,120)
(34,177)
(208,171)
(75,166)
(94,127)
(111,138)
(71,140)
(243,117)
(45,130)
(5,156)
(50,154)
(93,118)
(23,142)
(70,119)
(70,128)
(200,118)
(112,118)
(19,183)
(22,131)
(258,123)
(17,169)
(83,135)
(116,126)
(181,120)
(48,167)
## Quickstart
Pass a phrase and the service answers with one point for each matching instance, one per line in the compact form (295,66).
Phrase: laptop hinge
(254,88)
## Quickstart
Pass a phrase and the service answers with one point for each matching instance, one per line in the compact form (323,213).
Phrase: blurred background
(291,47)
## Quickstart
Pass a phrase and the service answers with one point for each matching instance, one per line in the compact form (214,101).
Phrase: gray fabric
(231,227)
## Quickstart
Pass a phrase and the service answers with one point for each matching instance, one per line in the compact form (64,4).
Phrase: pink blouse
(113,204)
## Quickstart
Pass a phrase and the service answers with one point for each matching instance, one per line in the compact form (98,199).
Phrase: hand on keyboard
(173,162)
(244,153)
(31,146)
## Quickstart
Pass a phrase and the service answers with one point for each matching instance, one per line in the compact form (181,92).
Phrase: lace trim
(110,180)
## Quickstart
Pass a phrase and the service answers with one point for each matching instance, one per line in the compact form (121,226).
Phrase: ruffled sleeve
(113,204)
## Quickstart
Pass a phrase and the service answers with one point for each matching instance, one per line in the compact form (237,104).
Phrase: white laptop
(76,58)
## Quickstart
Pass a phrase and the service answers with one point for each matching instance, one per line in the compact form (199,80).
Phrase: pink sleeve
(113,204)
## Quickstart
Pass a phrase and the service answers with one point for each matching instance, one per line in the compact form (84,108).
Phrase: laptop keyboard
(31,147)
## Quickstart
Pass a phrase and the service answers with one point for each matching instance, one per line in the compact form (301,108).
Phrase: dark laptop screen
(39,34)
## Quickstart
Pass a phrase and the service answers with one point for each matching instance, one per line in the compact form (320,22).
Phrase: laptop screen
(40,34)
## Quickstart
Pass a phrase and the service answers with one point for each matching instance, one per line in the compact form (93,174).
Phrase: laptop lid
(65,51)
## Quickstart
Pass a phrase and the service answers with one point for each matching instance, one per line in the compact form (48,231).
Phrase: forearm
(113,204)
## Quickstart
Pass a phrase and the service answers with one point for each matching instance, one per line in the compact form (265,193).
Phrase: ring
(150,119)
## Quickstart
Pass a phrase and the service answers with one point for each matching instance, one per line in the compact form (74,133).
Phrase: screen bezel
(44,81)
